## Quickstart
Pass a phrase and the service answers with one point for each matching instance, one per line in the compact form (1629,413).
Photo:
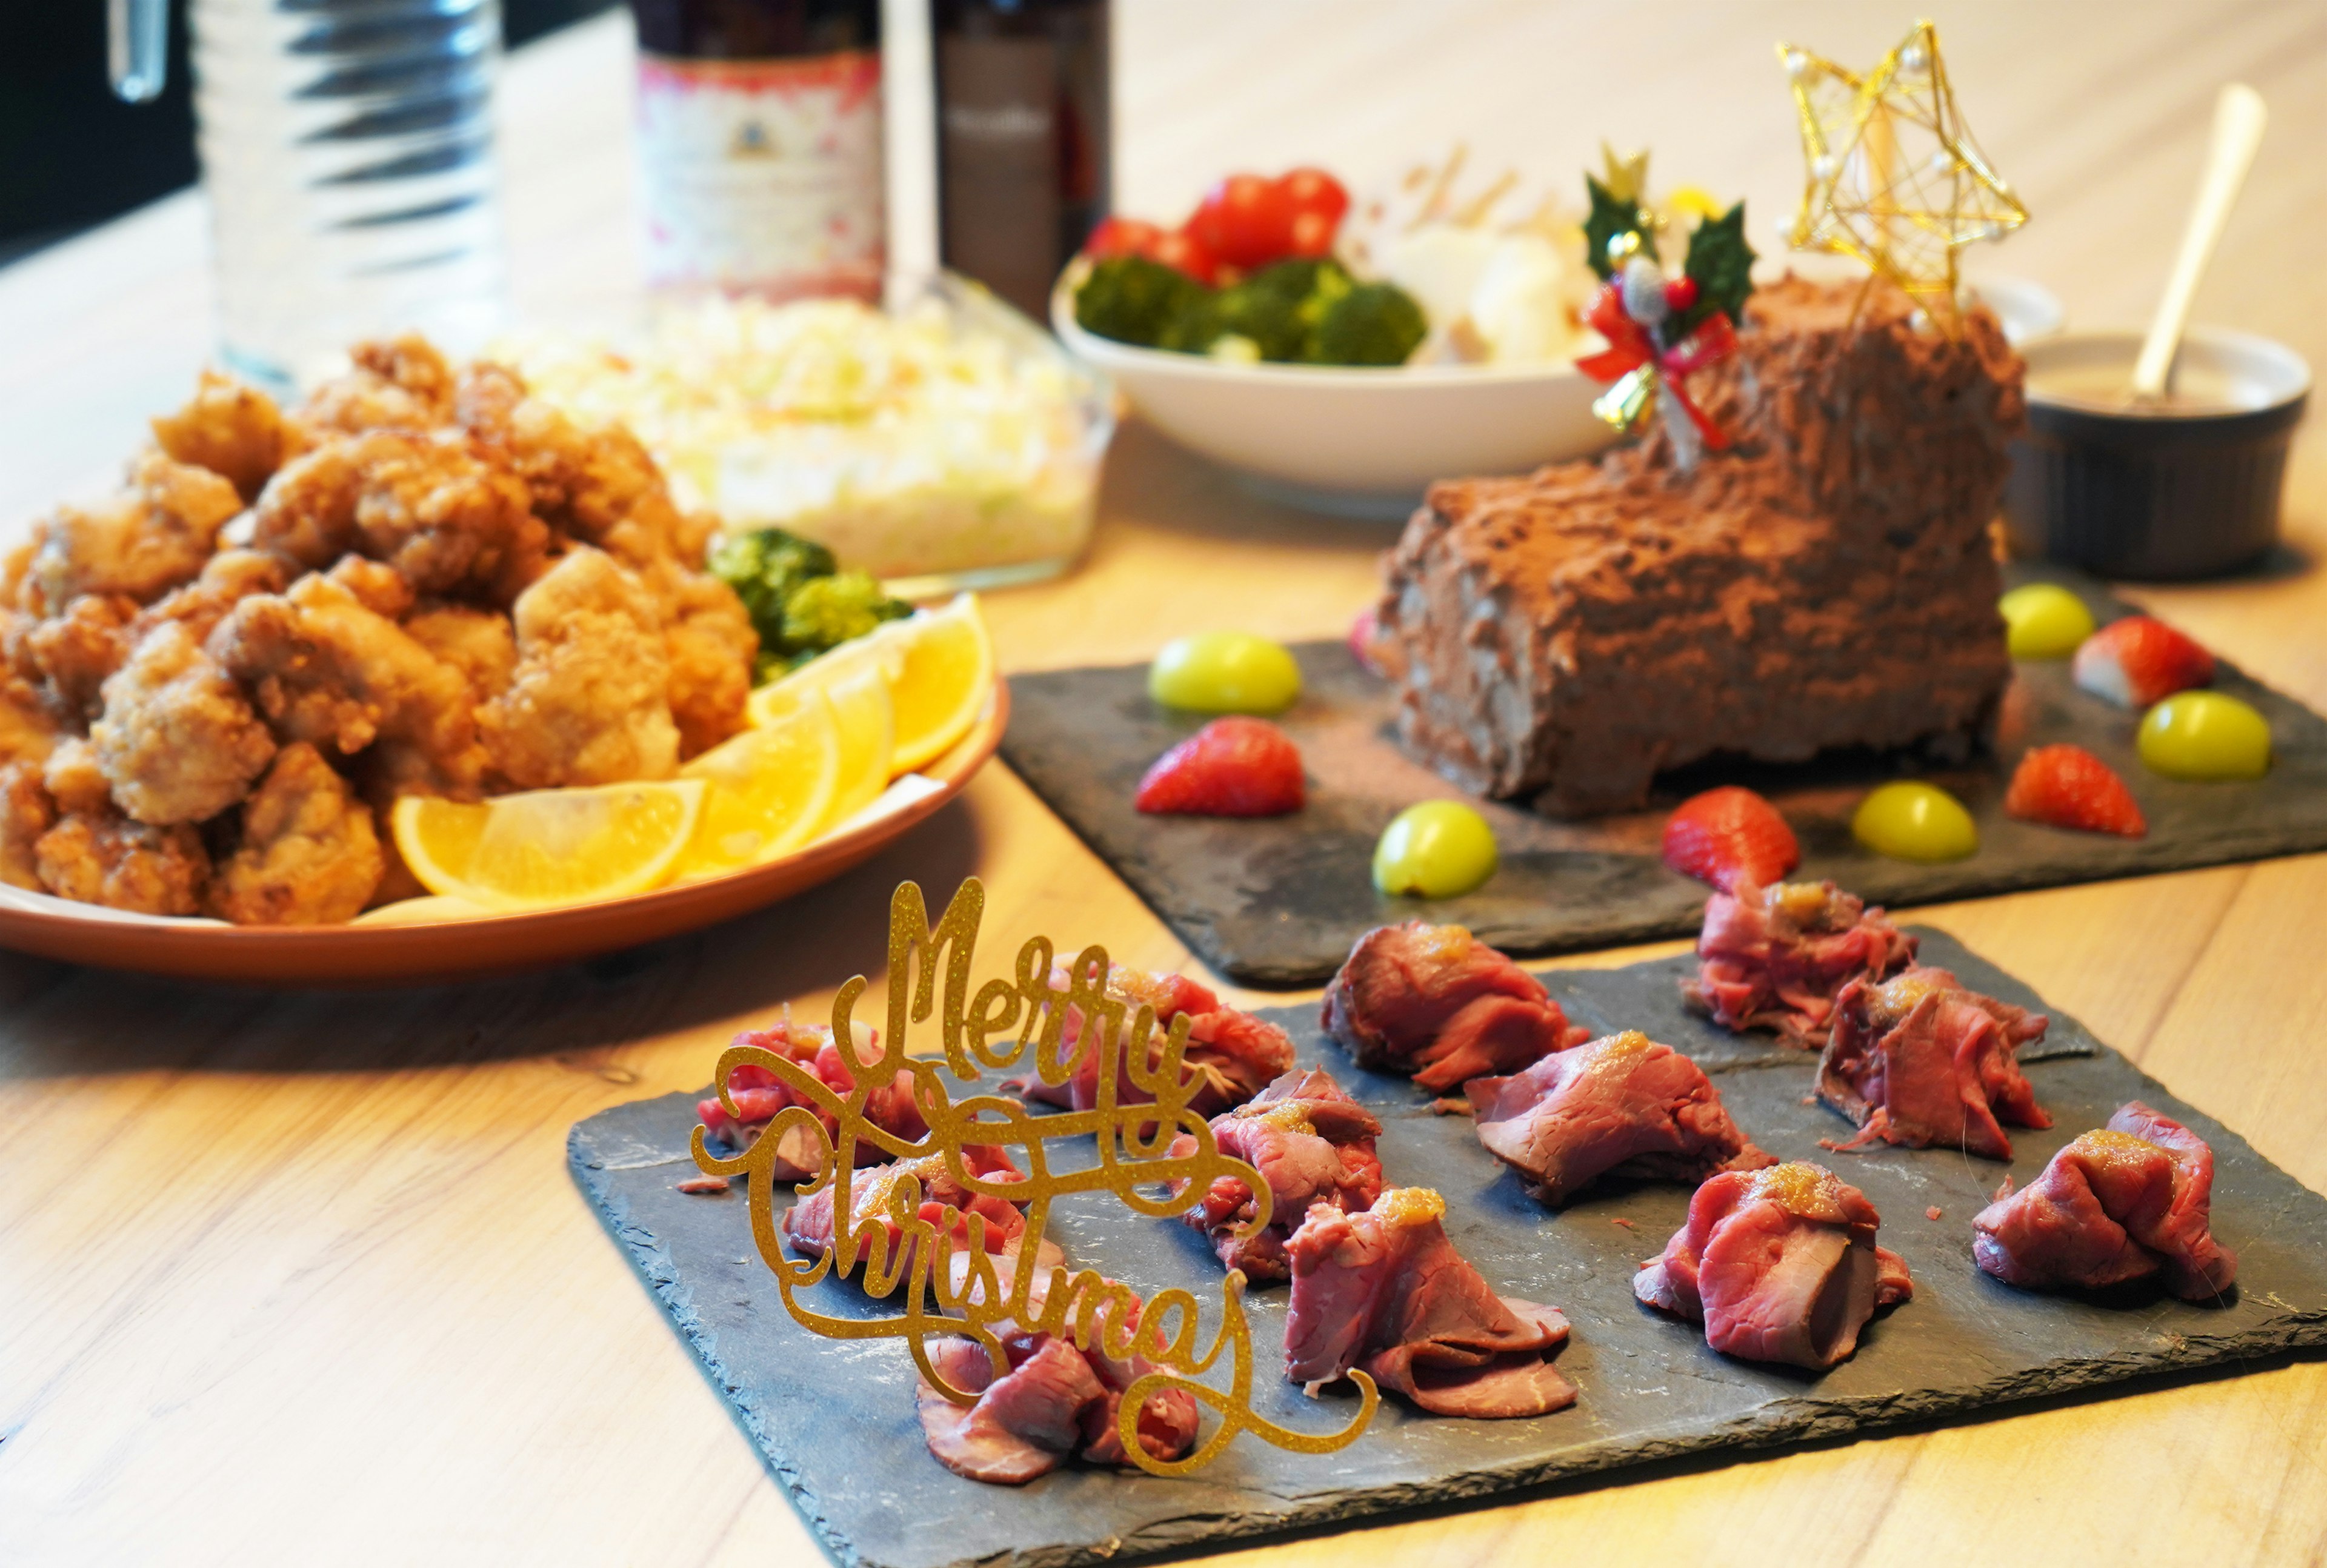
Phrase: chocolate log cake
(1825,582)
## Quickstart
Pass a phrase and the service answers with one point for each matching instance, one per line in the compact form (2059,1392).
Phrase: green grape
(2044,620)
(2205,735)
(1915,821)
(1439,849)
(1224,672)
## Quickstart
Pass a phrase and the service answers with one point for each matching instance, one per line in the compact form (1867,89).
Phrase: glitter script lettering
(937,1253)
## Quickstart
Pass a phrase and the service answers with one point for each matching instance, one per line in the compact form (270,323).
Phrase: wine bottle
(1024,138)
(759,137)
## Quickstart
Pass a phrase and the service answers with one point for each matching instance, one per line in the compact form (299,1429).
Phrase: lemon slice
(768,789)
(875,650)
(945,673)
(547,847)
(859,702)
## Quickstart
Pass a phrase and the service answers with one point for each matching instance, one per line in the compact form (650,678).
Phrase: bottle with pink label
(759,138)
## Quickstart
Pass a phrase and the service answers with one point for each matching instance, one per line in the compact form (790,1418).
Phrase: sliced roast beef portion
(1231,1053)
(759,1094)
(808,1226)
(1385,1291)
(1776,958)
(1624,1104)
(1437,1003)
(1055,1401)
(2130,1200)
(1777,1264)
(1311,1142)
(1919,1060)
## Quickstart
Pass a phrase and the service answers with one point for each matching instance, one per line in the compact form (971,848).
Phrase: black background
(71,155)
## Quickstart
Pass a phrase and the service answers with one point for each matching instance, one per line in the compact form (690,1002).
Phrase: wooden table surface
(300,1276)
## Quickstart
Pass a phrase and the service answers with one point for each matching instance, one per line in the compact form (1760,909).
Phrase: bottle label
(762,176)
(999,164)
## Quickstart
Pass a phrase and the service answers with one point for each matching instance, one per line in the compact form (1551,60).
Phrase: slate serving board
(1279,901)
(835,1420)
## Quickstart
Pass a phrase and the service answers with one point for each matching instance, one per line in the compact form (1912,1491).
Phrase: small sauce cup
(2186,487)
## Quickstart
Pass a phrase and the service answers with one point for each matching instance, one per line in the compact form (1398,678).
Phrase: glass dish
(949,443)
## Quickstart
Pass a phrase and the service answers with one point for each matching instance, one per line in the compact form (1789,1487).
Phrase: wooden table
(292,1276)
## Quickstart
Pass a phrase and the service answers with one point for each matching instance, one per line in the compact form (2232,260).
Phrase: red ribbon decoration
(1630,346)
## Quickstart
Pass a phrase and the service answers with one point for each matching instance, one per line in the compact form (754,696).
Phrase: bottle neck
(755,29)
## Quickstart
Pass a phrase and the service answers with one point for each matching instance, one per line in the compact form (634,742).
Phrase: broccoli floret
(1278,307)
(1195,324)
(1374,323)
(1133,300)
(764,567)
(826,611)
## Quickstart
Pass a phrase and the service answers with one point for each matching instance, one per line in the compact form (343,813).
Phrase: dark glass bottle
(758,130)
(1024,138)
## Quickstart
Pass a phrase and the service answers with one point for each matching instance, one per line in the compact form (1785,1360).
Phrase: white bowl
(1357,441)
(1366,442)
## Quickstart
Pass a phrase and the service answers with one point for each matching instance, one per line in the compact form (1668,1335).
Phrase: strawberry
(1233,767)
(2137,661)
(1730,835)
(2068,786)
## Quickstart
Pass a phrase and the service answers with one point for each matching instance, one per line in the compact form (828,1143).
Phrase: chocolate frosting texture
(1828,581)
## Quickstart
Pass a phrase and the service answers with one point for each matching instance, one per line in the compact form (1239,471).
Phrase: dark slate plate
(1278,902)
(836,1419)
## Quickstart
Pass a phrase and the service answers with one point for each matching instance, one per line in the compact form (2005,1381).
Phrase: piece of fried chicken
(234,431)
(107,859)
(143,541)
(399,384)
(709,639)
(177,741)
(424,504)
(26,813)
(74,779)
(589,701)
(27,729)
(479,643)
(67,658)
(309,853)
(227,579)
(326,669)
(600,487)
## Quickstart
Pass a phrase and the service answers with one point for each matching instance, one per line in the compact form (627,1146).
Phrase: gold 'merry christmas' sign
(940,1259)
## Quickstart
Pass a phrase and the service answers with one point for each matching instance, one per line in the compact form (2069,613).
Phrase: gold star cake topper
(1894,177)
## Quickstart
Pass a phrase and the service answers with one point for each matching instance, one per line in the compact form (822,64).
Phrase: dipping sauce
(2197,390)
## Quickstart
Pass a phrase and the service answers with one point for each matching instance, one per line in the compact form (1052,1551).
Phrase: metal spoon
(2238,117)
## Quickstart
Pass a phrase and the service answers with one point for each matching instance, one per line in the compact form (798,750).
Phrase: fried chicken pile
(421,580)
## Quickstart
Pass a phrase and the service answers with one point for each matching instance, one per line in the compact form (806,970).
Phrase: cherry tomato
(1311,235)
(1180,249)
(1316,190)
(1244,221)
(1123,237)
(1317,202)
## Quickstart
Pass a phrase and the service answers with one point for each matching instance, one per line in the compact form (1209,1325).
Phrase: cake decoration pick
(1893,177)
(1659,329)
(938,1253)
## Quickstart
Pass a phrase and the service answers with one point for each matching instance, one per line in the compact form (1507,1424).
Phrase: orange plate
(356,955)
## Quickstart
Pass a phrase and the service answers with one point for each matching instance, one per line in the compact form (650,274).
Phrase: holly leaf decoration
(1610,216)
(1721,263)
